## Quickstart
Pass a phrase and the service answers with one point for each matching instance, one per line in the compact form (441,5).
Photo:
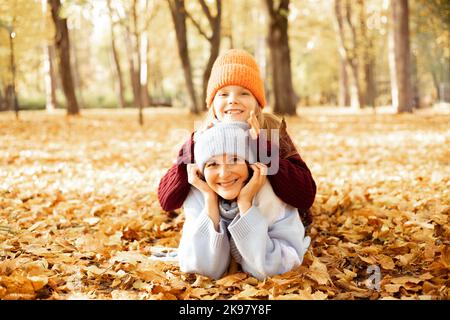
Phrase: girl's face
(226,175)
(234,103)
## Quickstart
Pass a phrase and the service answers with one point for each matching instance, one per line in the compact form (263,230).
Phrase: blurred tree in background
(127,53)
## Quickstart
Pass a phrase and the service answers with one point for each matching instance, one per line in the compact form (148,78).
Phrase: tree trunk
(178,13)
(2,100)
(349,52)
(369,78)
(367,57)
(353,59)
(434,76)
(143,77)
(121,88)
(48,67)
(78,83)
(132,44)
(214,40)
(214,53)
(131,68)
(400,57)
(344,94)
(283,90)
(137,60)
(49,79)
(62,42)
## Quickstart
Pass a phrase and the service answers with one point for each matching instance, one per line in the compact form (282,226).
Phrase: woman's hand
(211,199)
(194,178)
(254,125)
(252,187)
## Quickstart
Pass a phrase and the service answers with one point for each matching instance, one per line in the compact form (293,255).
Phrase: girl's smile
(234,103)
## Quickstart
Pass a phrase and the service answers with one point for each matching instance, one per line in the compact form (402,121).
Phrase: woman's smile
(227,184)
(226,175)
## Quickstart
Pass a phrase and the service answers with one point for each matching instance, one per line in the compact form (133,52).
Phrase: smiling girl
(231,211)
(236,93)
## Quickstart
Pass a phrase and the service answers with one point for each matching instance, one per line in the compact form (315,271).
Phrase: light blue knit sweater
(269,237)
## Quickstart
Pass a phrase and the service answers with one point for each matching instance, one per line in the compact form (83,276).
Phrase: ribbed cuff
(242,227)
(205,229)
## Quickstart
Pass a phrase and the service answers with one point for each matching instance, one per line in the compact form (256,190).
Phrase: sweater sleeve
(269,250)
(202,249)
(292,181)
(174,186)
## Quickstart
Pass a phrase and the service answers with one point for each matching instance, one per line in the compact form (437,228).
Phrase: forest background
(143,53)
(97,97)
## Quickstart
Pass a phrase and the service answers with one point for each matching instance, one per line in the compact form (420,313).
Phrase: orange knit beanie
(236,67)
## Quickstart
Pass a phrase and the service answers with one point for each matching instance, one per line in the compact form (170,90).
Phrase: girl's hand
(254,125)
(252,187)
(194,179)
(201,130)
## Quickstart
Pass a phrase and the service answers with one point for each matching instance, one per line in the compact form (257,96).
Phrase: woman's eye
(235,160)
(211,164)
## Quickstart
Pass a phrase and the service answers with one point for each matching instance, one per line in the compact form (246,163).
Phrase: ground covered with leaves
(79,214)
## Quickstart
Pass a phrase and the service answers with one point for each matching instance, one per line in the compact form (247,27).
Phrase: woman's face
(226,175)
(234,103)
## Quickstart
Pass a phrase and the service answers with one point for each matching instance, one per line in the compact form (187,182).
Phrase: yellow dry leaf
(151,275)
(426,276)
(318,272)
(385,261)
(349,274)
(2,292)
(405,259)
(115,283)
(101,209)
(17,284)
(293,296)
(202,282)
(425,297)
(123,295)
(319,295)
(392,288)
(198,292)
(130,257)
(250,292)
(38,282)
(232,279)
(91,220)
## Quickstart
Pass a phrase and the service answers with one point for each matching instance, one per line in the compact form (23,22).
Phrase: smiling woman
(233,213)
(226,175)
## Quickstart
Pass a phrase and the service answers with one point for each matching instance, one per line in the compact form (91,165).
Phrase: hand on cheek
(194,178)
(252,187)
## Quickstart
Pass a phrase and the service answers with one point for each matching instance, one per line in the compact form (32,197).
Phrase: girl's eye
(245,93)
(223,94)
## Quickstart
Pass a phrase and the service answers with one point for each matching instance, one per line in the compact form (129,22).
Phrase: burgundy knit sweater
(293,183)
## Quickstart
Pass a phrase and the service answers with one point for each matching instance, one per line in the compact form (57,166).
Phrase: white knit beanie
(231,138)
